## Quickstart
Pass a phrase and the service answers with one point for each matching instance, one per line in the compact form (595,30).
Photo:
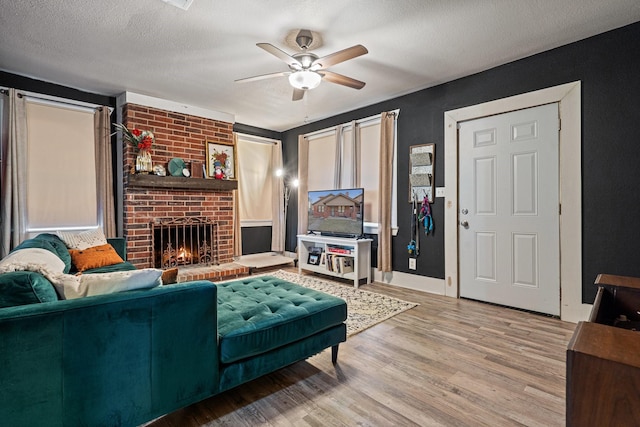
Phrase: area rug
(364,308)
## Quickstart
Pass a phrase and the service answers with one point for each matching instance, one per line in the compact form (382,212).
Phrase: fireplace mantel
(200,184)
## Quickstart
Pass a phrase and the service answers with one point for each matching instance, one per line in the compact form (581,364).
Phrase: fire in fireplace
(185,242)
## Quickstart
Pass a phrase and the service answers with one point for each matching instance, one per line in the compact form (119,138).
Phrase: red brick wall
(176,135)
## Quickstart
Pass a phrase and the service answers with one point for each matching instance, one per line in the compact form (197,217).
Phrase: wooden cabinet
(603,358)
(347,258)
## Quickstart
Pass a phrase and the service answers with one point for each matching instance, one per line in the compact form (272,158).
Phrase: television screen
(336,212)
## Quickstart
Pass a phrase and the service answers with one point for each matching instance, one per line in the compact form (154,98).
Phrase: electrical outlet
(412,264)
(439,191)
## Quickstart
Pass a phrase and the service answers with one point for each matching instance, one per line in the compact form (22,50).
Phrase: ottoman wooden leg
(334,354)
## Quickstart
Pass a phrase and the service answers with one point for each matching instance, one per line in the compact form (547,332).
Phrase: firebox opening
(185,242)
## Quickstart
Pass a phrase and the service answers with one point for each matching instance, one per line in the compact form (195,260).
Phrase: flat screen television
(336,212)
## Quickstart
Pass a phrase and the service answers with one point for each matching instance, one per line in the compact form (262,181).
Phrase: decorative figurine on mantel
(218,173)
(143,140)
(219,164)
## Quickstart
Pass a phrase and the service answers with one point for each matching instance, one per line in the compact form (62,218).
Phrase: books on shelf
(339,249)
(339,264)
(329,262)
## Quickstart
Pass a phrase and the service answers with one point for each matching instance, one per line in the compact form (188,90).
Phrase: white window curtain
(260,193)
(349,156)
(370,172)
(303,185)
(346,160)
(322,168)
(51,167)
(104,171)
(278,229)
(337,173)
(61,177)
(14,168)
(237,228)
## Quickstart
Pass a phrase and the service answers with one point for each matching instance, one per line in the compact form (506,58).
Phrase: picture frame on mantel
(221,161)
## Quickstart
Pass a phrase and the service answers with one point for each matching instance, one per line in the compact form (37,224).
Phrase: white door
(509,243)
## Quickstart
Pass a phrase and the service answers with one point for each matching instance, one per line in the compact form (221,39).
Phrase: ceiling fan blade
(263,76)
(282,55)
(341,80)
(298,94)
(338,57)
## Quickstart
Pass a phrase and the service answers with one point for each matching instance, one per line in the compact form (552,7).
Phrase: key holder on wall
(421,181)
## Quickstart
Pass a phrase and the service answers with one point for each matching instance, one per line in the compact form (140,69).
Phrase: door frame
(568,96)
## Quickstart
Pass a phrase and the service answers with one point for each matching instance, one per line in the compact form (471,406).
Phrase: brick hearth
(213,273)
(183,136)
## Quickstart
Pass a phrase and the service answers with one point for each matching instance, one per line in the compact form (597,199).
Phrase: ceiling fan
(307,69)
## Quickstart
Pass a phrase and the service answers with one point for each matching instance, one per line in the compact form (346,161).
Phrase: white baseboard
(411,281)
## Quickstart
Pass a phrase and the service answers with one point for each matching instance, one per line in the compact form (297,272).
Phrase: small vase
(143,162)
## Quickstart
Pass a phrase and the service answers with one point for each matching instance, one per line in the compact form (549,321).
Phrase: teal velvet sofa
(125,358)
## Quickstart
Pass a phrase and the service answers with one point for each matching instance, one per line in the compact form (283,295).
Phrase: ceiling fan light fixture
(305,79)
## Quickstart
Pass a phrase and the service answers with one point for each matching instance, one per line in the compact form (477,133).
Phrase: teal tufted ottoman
(268,316)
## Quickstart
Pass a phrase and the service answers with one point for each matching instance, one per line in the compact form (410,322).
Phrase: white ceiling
(194,56)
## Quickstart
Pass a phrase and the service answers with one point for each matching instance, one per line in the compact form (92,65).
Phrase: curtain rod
(347,125)
(257,139)
(57,100)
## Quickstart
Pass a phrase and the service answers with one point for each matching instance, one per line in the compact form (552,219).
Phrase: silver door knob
(465,224)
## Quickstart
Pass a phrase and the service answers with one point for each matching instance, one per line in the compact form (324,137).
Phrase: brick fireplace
(145,203)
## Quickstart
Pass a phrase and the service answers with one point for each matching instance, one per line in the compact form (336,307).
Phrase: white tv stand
(356,253)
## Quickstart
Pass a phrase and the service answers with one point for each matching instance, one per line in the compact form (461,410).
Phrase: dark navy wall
(252,130)
(46,88)
(608,65)
(256,240)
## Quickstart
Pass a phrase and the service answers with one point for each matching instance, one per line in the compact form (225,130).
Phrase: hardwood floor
(447,362)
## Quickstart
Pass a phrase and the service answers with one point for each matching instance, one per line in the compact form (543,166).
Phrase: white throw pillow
(34,256)
(84,239)
(86,285)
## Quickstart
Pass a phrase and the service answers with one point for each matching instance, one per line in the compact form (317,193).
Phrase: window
(255,180)
(322,162)
(338,160)
(61,174)
(369,161)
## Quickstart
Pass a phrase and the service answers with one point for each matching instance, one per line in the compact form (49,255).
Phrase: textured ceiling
(193,57)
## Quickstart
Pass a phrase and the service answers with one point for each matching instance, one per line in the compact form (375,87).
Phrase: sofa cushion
(50,242)
(94,257)
(25,287)
(84,239)
(86,285)
(258,314)
(43,258)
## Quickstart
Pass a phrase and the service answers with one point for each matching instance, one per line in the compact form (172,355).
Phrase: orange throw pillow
(94,257)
